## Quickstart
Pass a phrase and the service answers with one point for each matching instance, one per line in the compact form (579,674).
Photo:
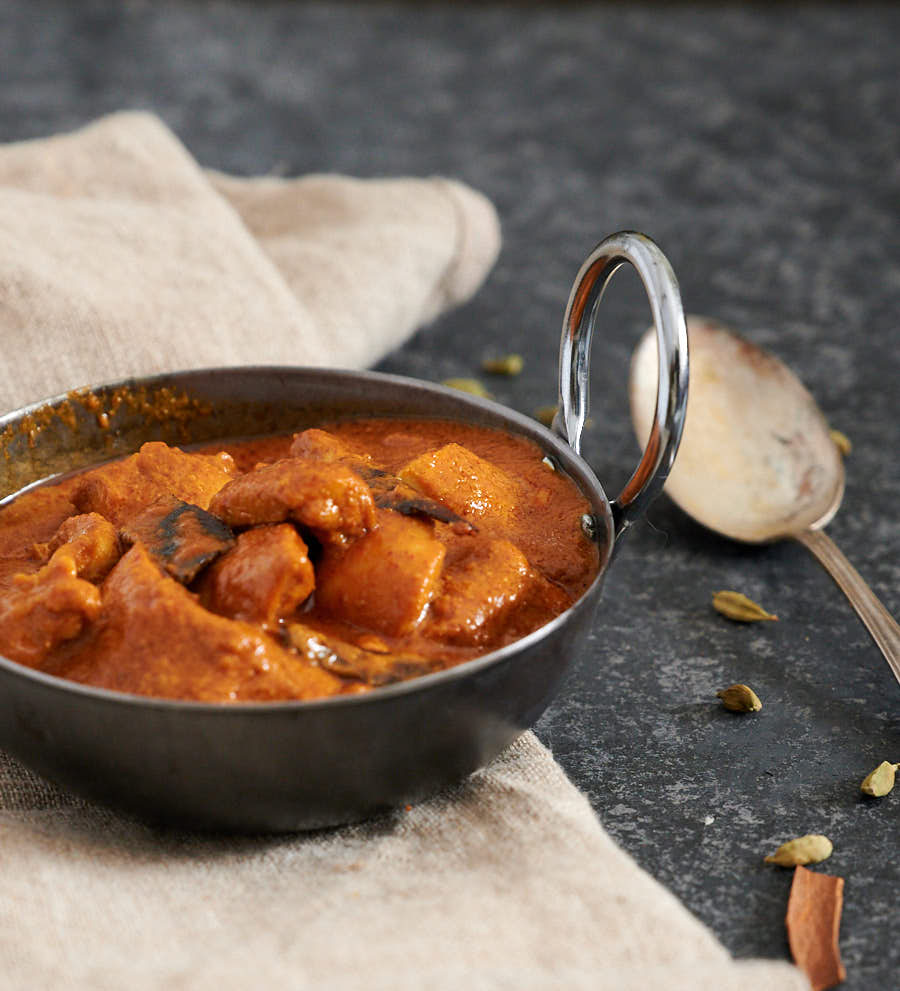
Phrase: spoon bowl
(757,462)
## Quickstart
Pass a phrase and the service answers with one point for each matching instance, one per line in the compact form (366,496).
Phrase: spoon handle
(878,621)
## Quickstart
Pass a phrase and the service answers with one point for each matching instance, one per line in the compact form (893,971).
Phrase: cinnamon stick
(813,920)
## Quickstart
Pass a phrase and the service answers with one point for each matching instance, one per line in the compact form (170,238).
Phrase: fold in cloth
(505,881)
(119,256)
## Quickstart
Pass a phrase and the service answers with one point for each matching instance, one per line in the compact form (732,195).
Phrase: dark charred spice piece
(183,538)
(374,476)
(420,506)
(400,669)
(391,492)
(393,669)
(351,661)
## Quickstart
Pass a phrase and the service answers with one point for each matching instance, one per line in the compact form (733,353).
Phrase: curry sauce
(325,562)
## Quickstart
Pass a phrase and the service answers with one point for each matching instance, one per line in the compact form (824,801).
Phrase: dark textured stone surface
(760,147)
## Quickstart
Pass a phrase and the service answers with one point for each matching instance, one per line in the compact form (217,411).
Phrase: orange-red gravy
(151,636)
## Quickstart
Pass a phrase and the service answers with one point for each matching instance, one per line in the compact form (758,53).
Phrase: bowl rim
(529,428)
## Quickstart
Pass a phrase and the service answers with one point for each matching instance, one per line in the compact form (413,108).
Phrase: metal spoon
(757,462)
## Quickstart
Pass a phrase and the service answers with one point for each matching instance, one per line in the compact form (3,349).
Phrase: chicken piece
(319,445)
(91,540)
(120,490)
(329,499)
(374,667)
(183,538)
(385,580)
(477,592)
(388,491)
(469,485)
(44,609)
(155,639)
(29,521)
(264,578)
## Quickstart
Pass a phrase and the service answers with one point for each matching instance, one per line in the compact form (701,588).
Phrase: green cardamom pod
(545,414)
(736,606)
(468,385)
(881,780)
(841,442)
(511,364)
(739,698)
(803,850)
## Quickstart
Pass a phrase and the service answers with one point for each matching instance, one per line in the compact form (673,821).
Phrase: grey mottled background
(760,146)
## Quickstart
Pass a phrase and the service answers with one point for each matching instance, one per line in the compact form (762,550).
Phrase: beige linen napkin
(118,256)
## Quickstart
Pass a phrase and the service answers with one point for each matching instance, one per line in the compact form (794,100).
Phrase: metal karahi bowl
(280,766)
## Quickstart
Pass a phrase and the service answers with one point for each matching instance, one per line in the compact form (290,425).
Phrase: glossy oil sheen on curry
(291,567)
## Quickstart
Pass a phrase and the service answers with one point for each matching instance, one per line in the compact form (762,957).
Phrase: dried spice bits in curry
(326,562)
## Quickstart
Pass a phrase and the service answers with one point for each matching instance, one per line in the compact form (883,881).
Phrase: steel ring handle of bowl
(671,334)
